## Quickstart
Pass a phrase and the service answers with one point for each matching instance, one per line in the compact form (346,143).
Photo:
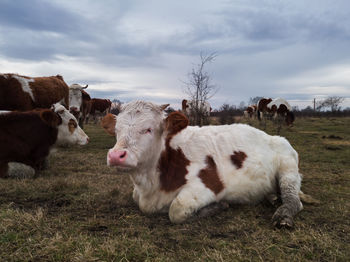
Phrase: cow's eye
(147,131)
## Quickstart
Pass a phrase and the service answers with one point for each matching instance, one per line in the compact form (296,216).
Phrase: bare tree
(200,89)
(332,102)
(255,100)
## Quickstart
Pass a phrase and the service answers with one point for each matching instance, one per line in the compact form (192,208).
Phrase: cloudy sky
(136,49)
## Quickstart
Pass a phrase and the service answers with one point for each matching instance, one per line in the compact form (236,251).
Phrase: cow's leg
(289,182)
(189,201)
(3,170)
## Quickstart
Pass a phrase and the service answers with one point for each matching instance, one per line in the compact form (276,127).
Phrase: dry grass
(81,210)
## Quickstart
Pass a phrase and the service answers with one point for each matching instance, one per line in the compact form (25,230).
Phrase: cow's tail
(308,199)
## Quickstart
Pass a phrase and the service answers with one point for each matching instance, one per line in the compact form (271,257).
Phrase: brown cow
(99,108)
(26,93)
(27,137)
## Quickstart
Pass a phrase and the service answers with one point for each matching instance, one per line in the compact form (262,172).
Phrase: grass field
(81,210)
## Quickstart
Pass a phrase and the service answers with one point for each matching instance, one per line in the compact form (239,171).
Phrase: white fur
(25,85)
(269,158)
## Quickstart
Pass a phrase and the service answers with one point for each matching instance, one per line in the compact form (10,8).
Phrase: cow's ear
(108,123)
(50,118)
(163,107)
(175,122)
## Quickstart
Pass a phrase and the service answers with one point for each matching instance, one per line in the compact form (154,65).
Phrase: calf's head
(141,130)
(69,132)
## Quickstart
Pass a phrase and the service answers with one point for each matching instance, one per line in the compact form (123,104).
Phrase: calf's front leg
(189,201)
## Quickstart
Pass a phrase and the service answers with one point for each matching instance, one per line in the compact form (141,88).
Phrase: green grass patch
(81,210)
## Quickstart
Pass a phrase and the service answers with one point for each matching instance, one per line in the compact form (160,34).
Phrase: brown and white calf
(183,169)
(26,93)
(27,137)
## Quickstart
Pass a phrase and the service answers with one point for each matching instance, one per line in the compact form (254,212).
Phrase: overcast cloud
(136,49)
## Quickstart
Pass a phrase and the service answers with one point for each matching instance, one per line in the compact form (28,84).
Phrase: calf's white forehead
(139,114)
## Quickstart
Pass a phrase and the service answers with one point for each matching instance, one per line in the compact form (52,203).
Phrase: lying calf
(27,137)
(182,169)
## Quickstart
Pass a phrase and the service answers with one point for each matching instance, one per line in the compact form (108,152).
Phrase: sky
(133,49)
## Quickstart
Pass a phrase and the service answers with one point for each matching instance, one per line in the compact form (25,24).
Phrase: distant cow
(79,102)
(197,114)
(189,106)
(279,108)
(27,137)
(184,169)
(250,112)
(262,107)
(26,93)
(99,108)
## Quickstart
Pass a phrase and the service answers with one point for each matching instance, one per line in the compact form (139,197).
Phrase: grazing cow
(27,137)
(281,108)
(262,107)
(79,102)
(26,93)
(99,108)
(250,112)
(183,169)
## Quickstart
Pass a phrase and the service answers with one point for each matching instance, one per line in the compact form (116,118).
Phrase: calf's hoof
(282,218)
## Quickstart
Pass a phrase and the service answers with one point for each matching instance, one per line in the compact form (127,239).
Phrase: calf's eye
(147,131)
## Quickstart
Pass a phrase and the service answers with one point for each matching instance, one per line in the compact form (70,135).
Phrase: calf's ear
(175,122)
(163,107)
(50,118)
(108,123)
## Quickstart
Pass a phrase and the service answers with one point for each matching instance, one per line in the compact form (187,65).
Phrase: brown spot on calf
(238,158)
(210,176)
(173,162)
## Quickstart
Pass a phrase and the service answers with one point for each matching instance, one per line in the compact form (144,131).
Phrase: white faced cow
(76,100)
(183,169)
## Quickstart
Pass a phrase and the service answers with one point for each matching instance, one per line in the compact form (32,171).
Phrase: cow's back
(25,93)
(50,90)
(12,96)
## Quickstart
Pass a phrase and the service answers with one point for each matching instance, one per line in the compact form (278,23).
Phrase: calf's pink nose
(117,157)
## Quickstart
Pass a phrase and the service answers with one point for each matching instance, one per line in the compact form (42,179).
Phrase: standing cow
(99,108)
(183,169)
(79,102)
(26,93)
(250,112)
(27,137)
